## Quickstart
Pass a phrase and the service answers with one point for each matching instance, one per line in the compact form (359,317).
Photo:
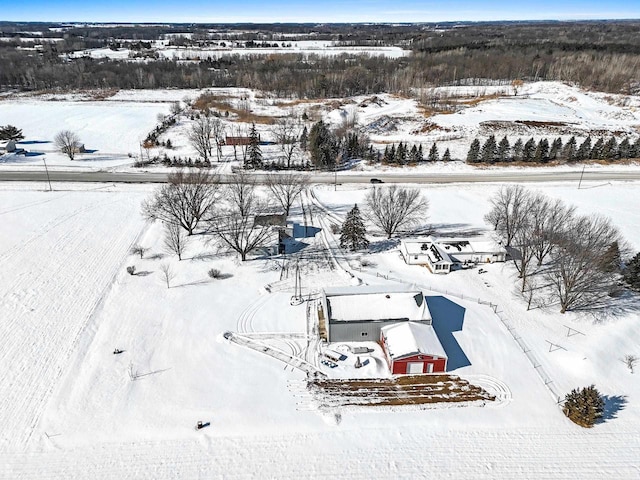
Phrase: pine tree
(611,149)
(504,149)
(529,150)
(632,272)
(597,151)
(584,407)
(433,153)
(584,150)
(447,156)
(254,154)
(413,155)
(386,157)
(304,139)
(9,132)
(569,150)
(489,150)
(542,151)
(392,154)
(556,149)
(635,152)
(420,154)
(401,154)
(518,147)
(473,156)
(624,149)
(353,233)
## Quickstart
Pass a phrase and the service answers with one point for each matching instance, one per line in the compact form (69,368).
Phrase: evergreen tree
(518,147)
(504,149)
(584,150)
(401,154)
(473,155)
(624,149)
(434,156)
(386,157)
(611,149)
(635,151)
(353,233)
(392,154)
(9,132)
(447,156)
(569,150)
(489,150)
(542,151)
(584,407)
(597,151)
(556,149)
(323,146)
(254,154)
(420,154)
(632,272)
(529,150)
(304,139)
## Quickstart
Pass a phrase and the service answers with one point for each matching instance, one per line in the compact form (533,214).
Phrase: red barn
(412,348)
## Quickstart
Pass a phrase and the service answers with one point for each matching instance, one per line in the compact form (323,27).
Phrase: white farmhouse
(441,255)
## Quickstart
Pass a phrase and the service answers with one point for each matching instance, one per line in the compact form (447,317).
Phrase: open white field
(110,130)
(71,410)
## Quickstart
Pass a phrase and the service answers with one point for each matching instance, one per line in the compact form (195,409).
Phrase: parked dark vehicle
(376,180)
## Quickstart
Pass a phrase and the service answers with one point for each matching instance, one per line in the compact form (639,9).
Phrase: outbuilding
(412,348)
(358,313)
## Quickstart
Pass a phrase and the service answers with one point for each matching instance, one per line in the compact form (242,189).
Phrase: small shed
(413,348)
(8,146)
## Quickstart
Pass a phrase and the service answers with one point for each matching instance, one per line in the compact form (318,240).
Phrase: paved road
(154,177)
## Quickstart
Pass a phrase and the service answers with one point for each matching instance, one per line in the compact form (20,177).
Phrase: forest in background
(602,55)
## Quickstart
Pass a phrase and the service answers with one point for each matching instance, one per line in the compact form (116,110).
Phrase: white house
(441,255)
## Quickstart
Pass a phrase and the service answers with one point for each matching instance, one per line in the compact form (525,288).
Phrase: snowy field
(70,409)
(113,128)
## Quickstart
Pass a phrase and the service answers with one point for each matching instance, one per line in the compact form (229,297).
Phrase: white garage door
(414,367)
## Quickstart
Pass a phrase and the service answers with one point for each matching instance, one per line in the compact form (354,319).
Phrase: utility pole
(44,160)
(581,175)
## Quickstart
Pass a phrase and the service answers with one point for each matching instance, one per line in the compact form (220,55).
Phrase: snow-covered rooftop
(376,303)
(411,338)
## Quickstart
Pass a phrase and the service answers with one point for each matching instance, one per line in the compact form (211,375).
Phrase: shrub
(584,407)
(335,229)
(131,269)
(138,250)
(214,273)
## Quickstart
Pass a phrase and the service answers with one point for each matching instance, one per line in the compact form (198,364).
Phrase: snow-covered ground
(70,409)
(115,125)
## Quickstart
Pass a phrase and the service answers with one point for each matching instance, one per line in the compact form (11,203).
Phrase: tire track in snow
(63,293)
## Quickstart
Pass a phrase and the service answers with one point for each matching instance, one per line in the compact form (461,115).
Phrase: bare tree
(508,211)
(199,136)
(176,108)
(67,142)
(392,208)
(549,220)
(167,273)
(286,188)
(175,240)
(240,132)
(580,272)
(241,192)
(287,133)
(185,200)
(522,251)
(238,227)
(139,250)
(630,361)
(218,131)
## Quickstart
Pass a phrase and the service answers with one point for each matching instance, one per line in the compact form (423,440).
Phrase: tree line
(576,260)
(544,150)
(598,55)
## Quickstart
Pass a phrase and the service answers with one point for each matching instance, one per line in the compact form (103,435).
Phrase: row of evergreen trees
(403,155)
(545,151)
